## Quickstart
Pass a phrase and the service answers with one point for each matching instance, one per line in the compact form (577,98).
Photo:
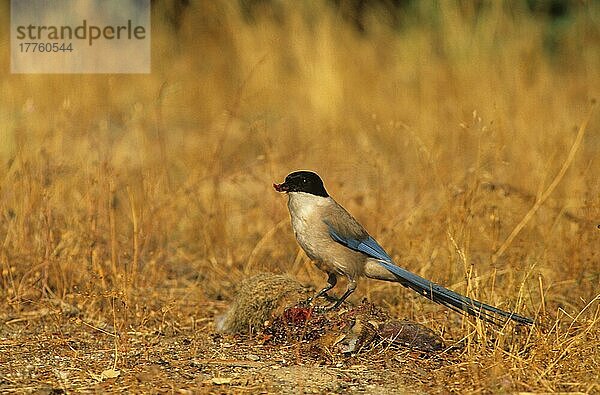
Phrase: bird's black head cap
(303,181)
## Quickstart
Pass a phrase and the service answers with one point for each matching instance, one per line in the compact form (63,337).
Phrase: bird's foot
(327,308)
(323,309)
(312,299)
(310,302)
(305,303)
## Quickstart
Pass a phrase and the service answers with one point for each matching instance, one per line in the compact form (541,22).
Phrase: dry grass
(131,206)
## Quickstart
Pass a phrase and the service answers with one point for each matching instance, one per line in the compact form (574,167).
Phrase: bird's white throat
(303,205)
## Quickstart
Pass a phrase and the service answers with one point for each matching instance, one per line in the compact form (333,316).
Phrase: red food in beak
(280,187)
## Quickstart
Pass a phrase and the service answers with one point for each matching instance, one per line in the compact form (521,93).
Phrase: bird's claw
(305,303)
(316,308)
(321,309)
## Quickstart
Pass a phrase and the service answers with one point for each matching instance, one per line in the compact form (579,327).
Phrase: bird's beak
(281,187)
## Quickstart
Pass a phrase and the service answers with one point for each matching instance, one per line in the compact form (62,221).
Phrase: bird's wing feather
(361,241)
(367,245)
(346,230)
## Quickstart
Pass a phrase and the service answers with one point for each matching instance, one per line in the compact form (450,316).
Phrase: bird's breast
(312,234)
(308,231)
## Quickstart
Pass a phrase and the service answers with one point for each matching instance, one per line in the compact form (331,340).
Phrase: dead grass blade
(538,203)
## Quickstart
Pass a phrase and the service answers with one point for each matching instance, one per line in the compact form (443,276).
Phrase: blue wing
(366,245)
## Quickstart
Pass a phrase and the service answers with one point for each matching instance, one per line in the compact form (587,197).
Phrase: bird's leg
(331,281)
(349,290)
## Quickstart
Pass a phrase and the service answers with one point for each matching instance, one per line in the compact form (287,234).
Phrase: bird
(340,246)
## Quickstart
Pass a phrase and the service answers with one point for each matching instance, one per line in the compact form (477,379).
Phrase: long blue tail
(451,299)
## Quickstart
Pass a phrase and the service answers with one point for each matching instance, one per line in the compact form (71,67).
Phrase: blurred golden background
(438,124)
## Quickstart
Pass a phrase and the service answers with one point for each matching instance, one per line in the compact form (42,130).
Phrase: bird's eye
(304,180)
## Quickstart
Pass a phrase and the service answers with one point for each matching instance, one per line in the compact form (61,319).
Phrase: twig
(230,362)
(116,337)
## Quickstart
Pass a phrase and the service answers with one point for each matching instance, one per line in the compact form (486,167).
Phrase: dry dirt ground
(175,348)
(52,351)
(56,350)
